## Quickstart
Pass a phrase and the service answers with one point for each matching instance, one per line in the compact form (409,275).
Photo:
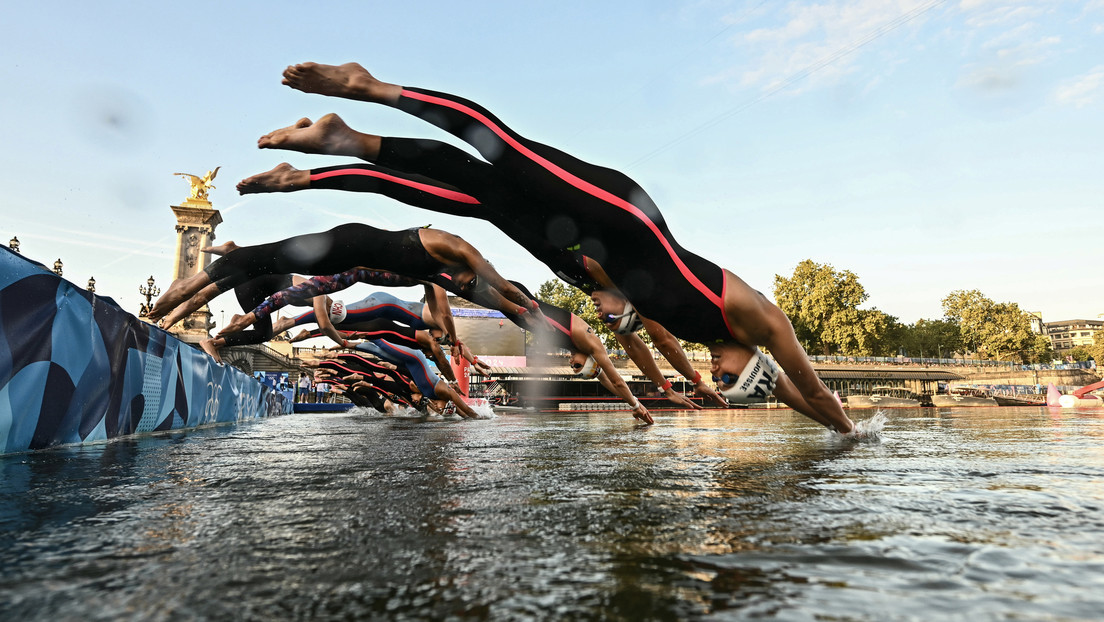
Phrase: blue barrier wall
(76,368)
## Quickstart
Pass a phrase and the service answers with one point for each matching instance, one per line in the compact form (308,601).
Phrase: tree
(823,306)
(1096,350)
(932,338)
(997,329)
(1042,350)
(1080,354)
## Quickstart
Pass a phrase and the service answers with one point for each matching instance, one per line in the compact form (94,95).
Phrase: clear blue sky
(925,146)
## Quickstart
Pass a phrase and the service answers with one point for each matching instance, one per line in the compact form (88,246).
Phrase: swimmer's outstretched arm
(590,344)
(445,392)
(669,346)
(638,353)
(756,320)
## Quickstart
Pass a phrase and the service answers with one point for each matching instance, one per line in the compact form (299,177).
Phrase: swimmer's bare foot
(221,249)
(330,135)
(239,323)
(281,324)
(283,178)
(303,334)
(210,348)
(179,291)
(350,81)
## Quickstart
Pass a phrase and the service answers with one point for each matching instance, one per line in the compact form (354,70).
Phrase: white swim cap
(755,383)
(628,321)
(337,312)
(590,369)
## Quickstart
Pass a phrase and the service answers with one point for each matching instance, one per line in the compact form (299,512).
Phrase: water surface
(992,513)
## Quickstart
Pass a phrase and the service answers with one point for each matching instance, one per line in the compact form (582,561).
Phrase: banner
(77,368)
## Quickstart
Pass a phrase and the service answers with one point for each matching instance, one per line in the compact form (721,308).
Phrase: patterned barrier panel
(76,368)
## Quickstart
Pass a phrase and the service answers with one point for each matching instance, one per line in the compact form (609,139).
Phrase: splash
(483,409)
(869,429)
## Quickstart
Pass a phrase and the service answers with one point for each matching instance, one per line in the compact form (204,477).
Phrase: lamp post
(58,266)
(92,284)
(14,244)
(149,291)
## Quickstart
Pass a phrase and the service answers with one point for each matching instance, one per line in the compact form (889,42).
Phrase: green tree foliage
(997,330)
(1080,354)
(931,338)
(1096,350)
(1042,350)
(823,306)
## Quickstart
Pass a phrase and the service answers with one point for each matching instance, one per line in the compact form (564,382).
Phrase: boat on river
(964,396)
(884,397)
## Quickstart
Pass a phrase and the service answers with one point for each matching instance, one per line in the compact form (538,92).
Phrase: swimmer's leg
(221,249)
(183,310)
(180,290)
(283,178)
(212,347)
(349,81)
(328,136)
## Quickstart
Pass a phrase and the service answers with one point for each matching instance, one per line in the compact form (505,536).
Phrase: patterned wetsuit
(302,293)
(549,202)
(249,294)
(329,252)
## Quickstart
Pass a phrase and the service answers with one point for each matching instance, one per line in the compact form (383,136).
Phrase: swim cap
(590,369)
(628,321)
(337,312)
(755,383)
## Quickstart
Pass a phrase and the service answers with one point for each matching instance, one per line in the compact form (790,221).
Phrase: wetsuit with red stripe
(596,211)
(551,202)
(420,369)
(427,173)
(380,305)
(388,381)
(329,252)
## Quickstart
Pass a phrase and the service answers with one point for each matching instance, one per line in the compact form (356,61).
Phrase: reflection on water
(990,513)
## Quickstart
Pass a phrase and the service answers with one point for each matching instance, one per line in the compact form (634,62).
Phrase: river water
(994,513)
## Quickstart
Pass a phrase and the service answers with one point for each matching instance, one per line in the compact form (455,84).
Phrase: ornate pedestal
(195,228)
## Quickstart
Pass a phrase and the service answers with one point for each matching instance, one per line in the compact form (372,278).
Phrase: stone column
(195,228)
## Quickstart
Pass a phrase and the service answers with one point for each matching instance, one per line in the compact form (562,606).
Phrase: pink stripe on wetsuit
(673,286)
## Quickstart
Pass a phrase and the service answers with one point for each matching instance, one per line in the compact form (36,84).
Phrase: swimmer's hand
(239,323)
(710,393)
(679,399)
(455,386)
(641,412)
(481,367)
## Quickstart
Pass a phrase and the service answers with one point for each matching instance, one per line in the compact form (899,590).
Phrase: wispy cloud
(818,42)
(1081,90)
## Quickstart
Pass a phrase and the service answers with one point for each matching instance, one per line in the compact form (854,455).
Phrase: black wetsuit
(329,252)
(249,295)
(558,207)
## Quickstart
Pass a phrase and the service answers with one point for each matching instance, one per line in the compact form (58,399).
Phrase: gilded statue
(200,185)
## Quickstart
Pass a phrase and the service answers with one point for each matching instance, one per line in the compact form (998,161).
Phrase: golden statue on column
(196,220)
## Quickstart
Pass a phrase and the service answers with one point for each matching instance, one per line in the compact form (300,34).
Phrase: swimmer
(331,135)
(417,253)
(433,316)
(577,208)
(249,295)
(421,370)
(569,331)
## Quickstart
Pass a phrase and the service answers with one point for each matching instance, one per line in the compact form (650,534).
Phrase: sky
(926,146)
